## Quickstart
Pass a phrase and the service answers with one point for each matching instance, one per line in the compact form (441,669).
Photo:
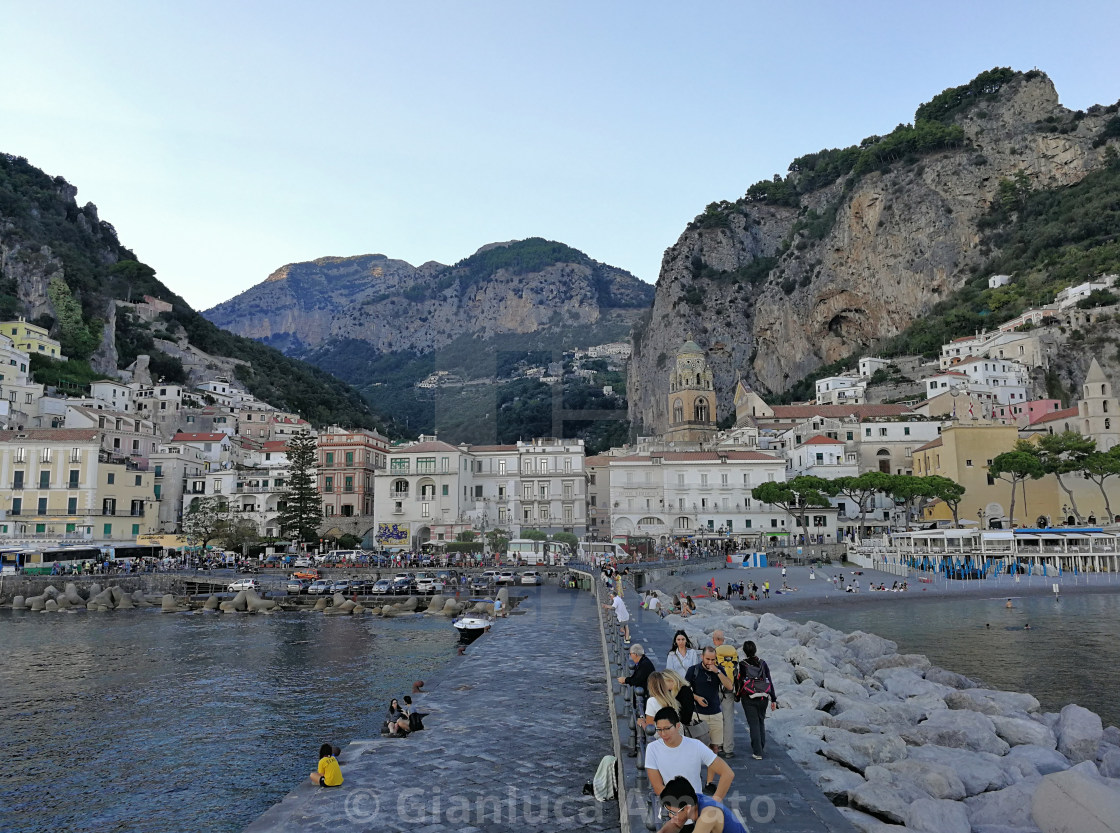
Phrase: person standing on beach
(727,658)
(754,706)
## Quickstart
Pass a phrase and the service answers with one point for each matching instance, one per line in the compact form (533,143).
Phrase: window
(501,467)
(136,509)
(136,529)
(71,505)
(111,478)
(968,464)
(349,458)
(445,490)
(425,510)
(348,484)
(567,514)
(42,509)
(703,480)
(906,430)
(867,432)
(567,491)
(44,480)
(527,491)
(217,486)
(593,480)
(593,500)
(882,432)
(444,462)
(723,478)
(425,465)
(328,484)
(109,506)
(17,505)
(139,480)
(544,513)
(158,488)
(849,436)
(107,530)
(544,491)
(328,458)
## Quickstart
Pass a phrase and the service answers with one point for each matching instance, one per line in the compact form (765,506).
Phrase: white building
(869,364)
(841,390)
(996,281)
(1071,295)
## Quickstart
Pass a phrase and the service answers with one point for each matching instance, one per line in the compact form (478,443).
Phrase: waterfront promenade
(773,795)
(514,730)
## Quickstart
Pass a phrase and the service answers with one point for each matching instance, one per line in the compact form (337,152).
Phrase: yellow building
(31,339)
(963,453)
(692,397)
(57,483)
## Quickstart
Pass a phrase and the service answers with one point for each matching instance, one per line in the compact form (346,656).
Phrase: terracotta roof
(931,444)
(598,460)
(820,439)
(963,338)
(797,412)
(51,435)
(1067,413)
(183,437)
(275,445)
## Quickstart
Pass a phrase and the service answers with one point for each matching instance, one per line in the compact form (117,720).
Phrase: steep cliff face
(511,288)
(776,291)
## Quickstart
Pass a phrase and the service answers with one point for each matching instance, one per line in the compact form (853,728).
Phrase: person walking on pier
(707,680)
(756,692)
(683,656)
(673,756)
(727,658)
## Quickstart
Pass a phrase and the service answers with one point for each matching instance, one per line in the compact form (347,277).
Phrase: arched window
(701,410)
(400,488)
(682,523)
(697,380)
(678,412)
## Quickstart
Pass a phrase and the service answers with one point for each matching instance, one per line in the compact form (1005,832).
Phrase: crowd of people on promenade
(690,704)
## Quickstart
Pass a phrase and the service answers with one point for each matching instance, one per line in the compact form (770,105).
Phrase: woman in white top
(683,656)
(667,688)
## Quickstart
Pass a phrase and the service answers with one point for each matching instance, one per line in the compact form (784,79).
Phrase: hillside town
(125,463)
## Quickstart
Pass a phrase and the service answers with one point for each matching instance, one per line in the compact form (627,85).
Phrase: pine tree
(302,511)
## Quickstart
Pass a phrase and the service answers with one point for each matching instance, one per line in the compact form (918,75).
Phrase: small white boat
(471,627)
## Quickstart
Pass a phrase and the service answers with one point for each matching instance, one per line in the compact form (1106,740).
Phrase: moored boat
(471,628)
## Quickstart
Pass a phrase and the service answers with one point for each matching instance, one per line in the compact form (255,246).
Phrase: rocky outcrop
(892,244)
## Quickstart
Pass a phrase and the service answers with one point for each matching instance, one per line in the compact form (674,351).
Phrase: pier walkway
(773,795)
(514,730)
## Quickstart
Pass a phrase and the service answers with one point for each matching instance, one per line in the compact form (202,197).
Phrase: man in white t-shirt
(673,754)
(622,613)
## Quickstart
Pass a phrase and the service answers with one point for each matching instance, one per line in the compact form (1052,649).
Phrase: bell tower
(692,397)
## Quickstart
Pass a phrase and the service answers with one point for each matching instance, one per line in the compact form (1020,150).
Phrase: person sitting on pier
(329,774)
(699,812)
(673,756)
(396,719)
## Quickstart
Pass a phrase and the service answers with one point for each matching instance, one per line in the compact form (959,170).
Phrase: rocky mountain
(855,245)
(522,287)
(64,268)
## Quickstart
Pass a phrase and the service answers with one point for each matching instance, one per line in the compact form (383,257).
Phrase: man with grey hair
(643,667)
(727,658)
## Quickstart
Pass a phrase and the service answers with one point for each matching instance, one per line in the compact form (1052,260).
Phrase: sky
(226,139)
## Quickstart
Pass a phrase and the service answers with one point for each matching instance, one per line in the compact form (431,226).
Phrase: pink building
(347,463)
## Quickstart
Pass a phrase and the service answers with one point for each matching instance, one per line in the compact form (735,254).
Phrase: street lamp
(980,517)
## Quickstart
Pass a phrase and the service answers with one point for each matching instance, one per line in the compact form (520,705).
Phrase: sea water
(1070,653)
(137,720)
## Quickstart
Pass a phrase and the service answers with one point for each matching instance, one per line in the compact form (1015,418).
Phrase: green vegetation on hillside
(40,211)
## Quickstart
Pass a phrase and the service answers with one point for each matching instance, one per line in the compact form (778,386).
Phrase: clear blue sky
(225,139)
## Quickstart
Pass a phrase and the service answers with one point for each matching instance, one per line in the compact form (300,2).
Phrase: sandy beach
(820,591)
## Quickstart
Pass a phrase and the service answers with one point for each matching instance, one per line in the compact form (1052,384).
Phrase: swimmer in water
(1009,605)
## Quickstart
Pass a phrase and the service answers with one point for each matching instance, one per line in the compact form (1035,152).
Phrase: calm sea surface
(155,722)
(1070,654)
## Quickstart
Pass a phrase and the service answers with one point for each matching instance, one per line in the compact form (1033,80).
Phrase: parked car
(531,577)
(480,583)
(297,586)
(244,584)
(491,575)
(506,577)
(341,585)
(429,584)
(318,588)
(302,561)
(309,573)
(403,584)
(381,587)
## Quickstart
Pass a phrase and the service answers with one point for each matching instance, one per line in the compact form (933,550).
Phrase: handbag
(699,730)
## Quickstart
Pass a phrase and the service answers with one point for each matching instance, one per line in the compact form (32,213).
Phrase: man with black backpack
(756,691)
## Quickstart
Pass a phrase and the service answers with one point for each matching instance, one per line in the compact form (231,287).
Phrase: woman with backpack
(756,692)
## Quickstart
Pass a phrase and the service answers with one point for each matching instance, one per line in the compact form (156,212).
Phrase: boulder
(959,729)
(104,598)
(63,603)
(933,815)
(19,603)
(949,678)
(988,701)
(71,594)
(843,685)
(1017,731)
(864,823)
(167,604)
(937,779)
(255,603)
(50,606)
(787,718)
(1110,763)
(1010,806)
(321,604)
(37,603)
(211,603)
(117,594)
(435,605)
(915,661)
(858,752)
(1073,802)
(358,610)
(810,658)
(1044,759)
(139,600)
(769,623)
(864,717)
(123,601)
(1079,733)
(93,590)
(888,800)
(868,645)
(836,781)
(1111,735)
(411,604)
(51,592)
(979,772)
(749,621)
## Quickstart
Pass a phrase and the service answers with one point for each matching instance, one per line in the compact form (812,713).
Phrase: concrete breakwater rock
(898,743)
(70,598)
